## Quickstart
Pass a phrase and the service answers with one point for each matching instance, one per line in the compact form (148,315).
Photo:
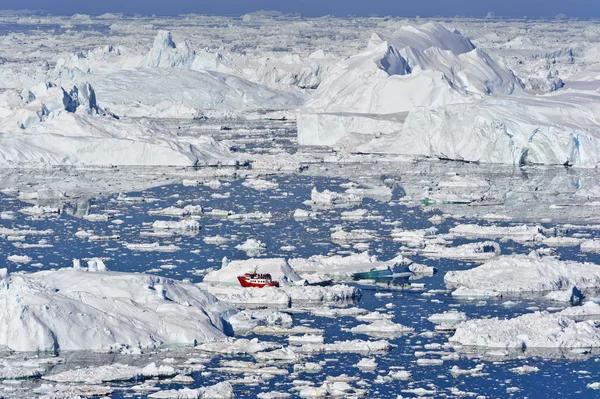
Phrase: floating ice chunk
(587,311)
(525,369)
(302,214)
(315,294)
(562,241)
(367,364)
(241,367)
(358,235)
(260,184)
(276,330)
(216,240)
(331,389)
(189,210)
(476,371)
(246,320)
(339,312)
(28,232)
(176,225)
(10,371)
(69,391)
(141,247)
(357,214)
(327,197)
(571,295)
(590,246)
(373,316)
(515,274)
(381,328)
(479,251)
(252,247)
(282,354)
(422,269)
(429,362)
(222,390)
(7,215)
(97,217)
(234,346)
(532,330)
(94,265)
(306,339)
(166,54)
(593,385)
(258,216)
(413,238)
(474,293)
(112,373)
(354,346)
(19,259)
(273,395)
(523,233)
(342,267)
(154,247)
(401,375)
(451,316)
(308,368)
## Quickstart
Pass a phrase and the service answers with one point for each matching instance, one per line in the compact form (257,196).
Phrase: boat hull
(246,283)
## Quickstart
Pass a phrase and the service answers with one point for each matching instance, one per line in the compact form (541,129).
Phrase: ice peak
(165,53)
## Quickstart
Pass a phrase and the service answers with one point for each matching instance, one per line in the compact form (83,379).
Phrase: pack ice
(91,309)
(426,91)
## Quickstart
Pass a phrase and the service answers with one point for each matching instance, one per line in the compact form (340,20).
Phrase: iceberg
(534,330)
(80,309)
(519,274)
(428,92)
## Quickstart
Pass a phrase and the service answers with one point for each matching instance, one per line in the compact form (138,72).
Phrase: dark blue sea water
(560,374)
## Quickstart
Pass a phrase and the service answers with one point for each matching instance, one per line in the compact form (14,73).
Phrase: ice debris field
(425,194)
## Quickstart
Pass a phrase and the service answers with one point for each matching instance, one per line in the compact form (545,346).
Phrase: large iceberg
(172,80)
(534,330)
(428,92)
(79,309)
(50,125)
(518,274)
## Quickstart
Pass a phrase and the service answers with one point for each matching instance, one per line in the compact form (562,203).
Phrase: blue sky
(531,8)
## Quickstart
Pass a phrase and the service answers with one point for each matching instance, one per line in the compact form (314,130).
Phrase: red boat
(258,280)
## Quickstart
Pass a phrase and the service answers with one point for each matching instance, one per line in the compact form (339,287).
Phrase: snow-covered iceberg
(518,274)
(50,125)
(534,330)
(428,92)
(371,93)
(78,309)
